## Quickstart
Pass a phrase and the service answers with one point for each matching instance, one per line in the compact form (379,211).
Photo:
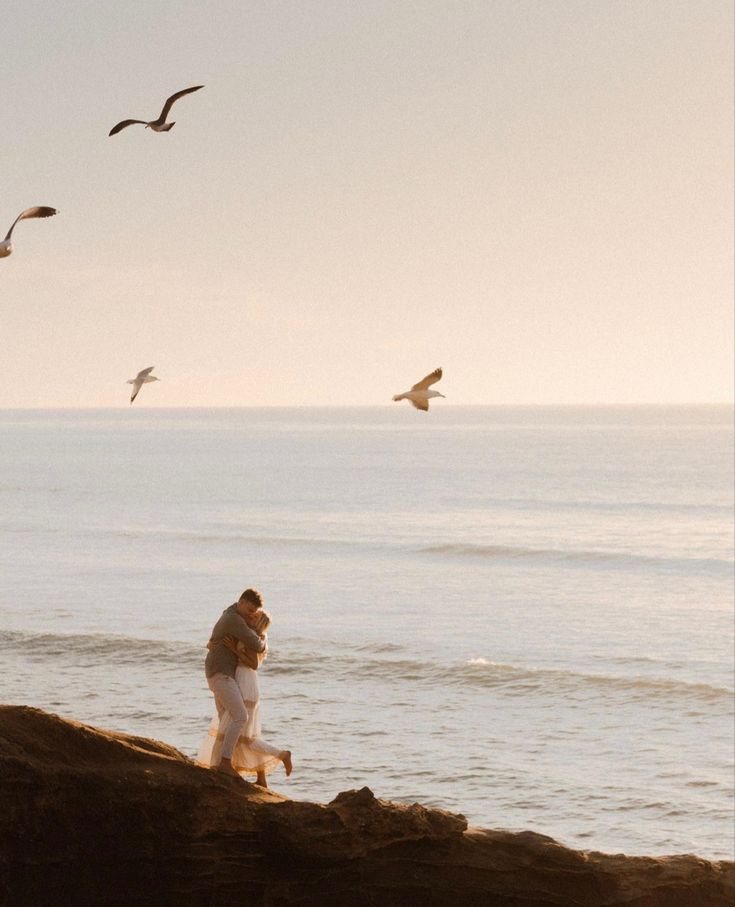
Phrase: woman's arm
(245,655)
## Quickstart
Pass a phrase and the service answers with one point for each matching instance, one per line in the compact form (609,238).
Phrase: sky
(537,196)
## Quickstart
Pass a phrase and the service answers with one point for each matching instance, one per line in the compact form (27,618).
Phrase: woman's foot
(261,780)
(285,757)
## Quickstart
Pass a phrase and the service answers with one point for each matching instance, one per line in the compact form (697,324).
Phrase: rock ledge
(93,817)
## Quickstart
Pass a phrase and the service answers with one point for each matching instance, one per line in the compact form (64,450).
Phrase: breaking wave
(382,662)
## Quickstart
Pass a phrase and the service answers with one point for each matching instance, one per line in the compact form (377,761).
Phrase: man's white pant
(228,698)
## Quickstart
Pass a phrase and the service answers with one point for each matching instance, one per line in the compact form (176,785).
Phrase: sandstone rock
(91,817)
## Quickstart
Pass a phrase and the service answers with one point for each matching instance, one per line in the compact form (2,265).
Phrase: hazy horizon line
(586,405)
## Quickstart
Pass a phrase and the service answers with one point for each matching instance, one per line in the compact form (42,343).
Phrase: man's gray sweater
(220,660)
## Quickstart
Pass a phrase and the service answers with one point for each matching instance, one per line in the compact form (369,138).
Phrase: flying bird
(159,125)
(419,395)
(140,379)
(6,247)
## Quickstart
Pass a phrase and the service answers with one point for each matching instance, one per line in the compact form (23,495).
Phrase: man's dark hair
(252,596)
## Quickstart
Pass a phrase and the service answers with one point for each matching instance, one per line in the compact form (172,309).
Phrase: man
(221,665)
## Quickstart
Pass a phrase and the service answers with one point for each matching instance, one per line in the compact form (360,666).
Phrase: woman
(251,756)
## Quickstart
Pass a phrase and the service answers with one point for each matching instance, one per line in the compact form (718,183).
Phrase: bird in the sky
(143,377)
(6,247)
(159,125)
(419,395)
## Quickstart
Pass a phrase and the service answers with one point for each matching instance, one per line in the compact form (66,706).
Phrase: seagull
(140,379)
(6,247)
(419,395)
(159,125)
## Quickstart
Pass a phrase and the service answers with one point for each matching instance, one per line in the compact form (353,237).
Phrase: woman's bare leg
(285,757)
(261,780)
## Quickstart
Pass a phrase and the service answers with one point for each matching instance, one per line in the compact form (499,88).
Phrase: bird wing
(175,97)
(37,211)
(421,404)
(144,373)
(123,123)
(136,389)
(426,382)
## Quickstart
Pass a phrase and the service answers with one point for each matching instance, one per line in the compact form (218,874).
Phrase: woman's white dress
(251,754)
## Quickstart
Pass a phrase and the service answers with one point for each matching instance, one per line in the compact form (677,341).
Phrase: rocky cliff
(92,817)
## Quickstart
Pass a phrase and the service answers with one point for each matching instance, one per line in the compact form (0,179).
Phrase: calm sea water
(523,615)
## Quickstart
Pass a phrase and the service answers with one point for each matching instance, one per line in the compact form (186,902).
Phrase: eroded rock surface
(93,817)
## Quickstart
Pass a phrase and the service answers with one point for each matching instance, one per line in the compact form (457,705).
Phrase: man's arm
(237,627)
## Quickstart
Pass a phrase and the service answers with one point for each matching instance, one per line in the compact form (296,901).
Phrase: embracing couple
(236,650)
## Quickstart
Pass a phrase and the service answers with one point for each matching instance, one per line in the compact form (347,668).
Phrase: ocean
(524,615)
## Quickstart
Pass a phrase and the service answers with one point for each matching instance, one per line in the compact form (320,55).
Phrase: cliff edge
(94,817)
